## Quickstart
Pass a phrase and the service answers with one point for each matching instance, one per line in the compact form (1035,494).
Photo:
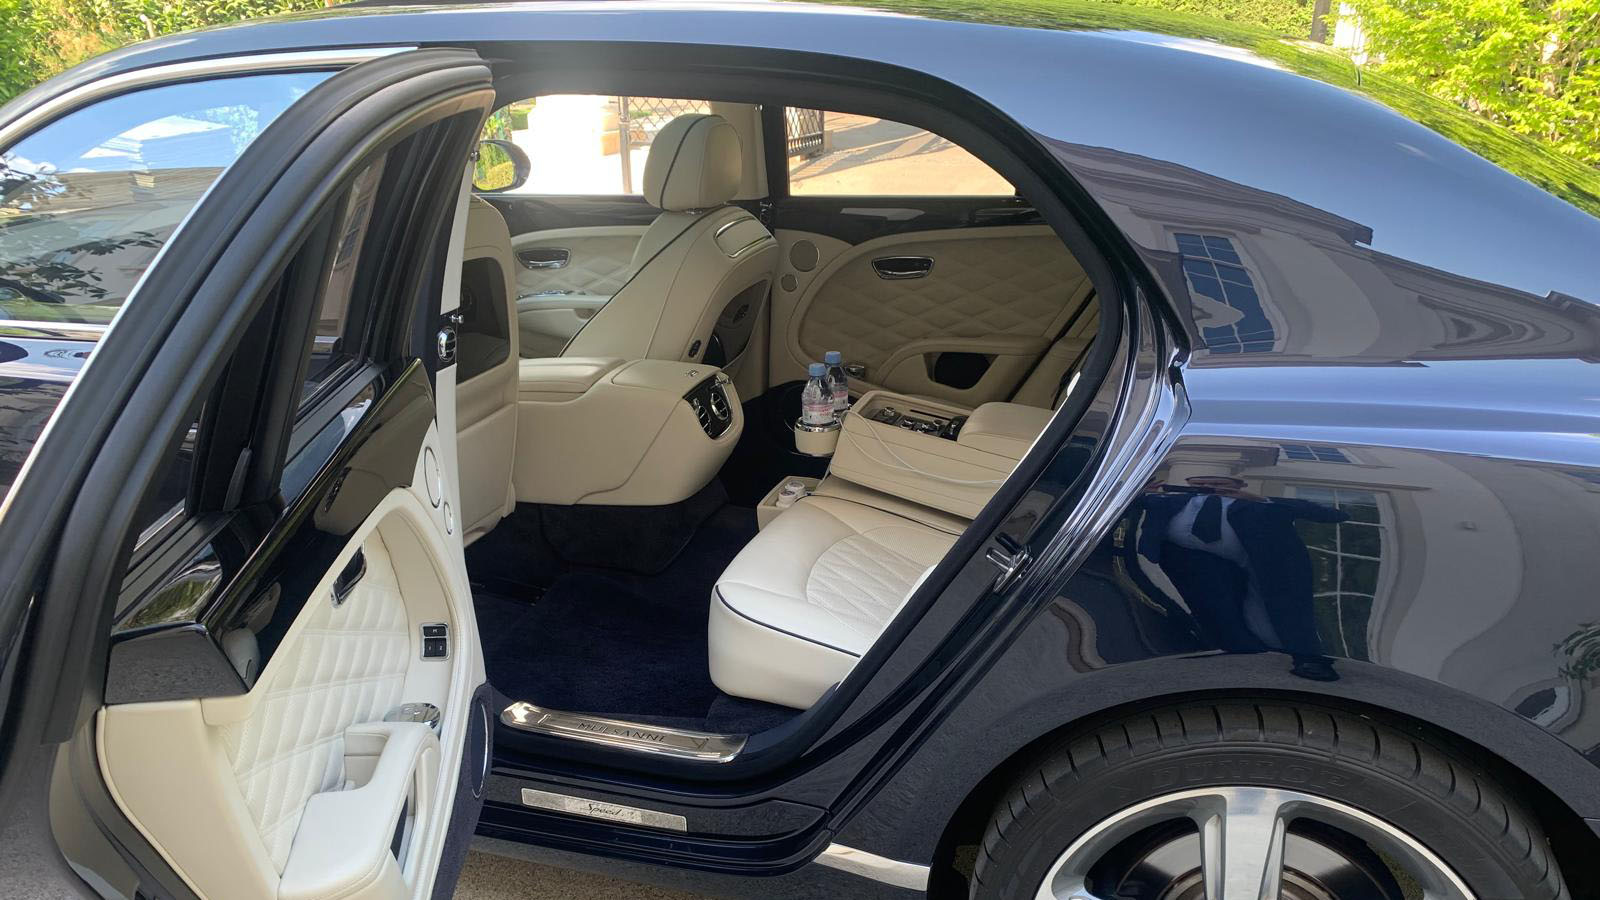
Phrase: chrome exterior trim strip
(599,809)
(122,82)
(52,331)
(878,868)
(623,735)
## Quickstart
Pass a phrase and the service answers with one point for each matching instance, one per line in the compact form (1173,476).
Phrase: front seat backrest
(699,255)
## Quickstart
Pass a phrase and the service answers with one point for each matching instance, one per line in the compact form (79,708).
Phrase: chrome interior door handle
(898,268)
(347,580)
(544,257)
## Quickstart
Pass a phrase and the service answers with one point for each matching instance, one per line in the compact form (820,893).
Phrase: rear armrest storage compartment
(926,462)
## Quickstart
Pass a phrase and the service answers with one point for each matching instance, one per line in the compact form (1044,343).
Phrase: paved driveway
(490,877)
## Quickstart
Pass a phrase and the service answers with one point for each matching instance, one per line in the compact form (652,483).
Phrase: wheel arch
(1570,836)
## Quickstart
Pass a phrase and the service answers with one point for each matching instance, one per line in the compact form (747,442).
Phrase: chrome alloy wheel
(1246,843)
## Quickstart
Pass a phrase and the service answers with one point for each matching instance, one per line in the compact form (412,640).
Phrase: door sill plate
(599,809)
(640,738)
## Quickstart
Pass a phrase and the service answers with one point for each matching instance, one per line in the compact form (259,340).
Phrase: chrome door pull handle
(897,268)
(545,257)
(346,583)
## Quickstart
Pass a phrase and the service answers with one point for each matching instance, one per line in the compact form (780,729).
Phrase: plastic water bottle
(816,401)
(838,384)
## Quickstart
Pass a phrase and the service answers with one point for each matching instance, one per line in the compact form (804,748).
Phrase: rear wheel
(1248,801)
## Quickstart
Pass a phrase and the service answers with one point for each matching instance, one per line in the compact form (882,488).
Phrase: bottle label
(817,412)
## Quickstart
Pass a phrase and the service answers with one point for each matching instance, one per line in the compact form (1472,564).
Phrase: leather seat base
(810,594)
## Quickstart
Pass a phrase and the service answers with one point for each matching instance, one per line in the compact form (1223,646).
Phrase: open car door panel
(279,693)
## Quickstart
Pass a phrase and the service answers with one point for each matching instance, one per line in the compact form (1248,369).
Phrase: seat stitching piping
(667,178)
(801,637)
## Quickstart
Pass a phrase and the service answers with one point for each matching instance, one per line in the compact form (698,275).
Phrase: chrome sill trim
(122,82)
(599,809)
(52,331)
(657,740)
(878,868)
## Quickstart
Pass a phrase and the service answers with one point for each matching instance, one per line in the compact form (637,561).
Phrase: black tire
(1449,806)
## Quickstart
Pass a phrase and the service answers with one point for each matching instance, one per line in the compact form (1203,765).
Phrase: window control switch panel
(436,641)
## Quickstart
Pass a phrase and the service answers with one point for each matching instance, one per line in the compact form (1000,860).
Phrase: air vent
(701,414)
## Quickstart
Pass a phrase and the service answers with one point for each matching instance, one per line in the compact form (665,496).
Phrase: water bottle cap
(833,357)
(817,370)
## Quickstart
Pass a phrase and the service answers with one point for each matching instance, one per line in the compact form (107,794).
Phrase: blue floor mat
(631,646)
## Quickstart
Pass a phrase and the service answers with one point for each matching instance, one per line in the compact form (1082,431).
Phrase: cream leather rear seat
(811,593)
(819,584)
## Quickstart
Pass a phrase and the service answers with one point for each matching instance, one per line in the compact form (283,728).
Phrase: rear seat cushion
(810,593)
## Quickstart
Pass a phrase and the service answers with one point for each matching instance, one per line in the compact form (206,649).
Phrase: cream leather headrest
(695,162)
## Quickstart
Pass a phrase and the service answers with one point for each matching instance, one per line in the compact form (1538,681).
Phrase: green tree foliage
(1291,18)
(39,38)
(19,38)
(1530,65)
(1562,174)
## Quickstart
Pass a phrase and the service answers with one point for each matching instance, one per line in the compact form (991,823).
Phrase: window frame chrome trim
(31,118)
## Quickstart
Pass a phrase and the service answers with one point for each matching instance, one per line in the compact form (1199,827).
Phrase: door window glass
(339,334)
(586,144)
(87,201)
(841,154)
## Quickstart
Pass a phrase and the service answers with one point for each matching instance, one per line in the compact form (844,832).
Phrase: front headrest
(695,162)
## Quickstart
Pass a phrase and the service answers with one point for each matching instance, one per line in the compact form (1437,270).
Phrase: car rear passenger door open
(274,689)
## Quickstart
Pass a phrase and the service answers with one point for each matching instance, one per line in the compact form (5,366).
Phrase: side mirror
(499,166)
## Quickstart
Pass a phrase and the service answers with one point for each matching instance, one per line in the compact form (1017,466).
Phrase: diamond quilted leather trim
(861,582)
(348,665)
(979,287)
(598,265)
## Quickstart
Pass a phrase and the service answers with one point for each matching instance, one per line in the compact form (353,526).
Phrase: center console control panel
(946,427)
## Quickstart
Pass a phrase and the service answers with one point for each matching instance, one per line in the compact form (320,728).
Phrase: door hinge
(1010,558)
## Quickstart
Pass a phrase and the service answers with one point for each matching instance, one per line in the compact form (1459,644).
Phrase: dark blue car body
(1328,298)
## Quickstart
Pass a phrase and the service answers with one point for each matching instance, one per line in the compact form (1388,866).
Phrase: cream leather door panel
(999,295)
(296,788)
(597,260)
(564,276)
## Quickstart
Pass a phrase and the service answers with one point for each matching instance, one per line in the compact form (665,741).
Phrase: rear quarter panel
(1401,369)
